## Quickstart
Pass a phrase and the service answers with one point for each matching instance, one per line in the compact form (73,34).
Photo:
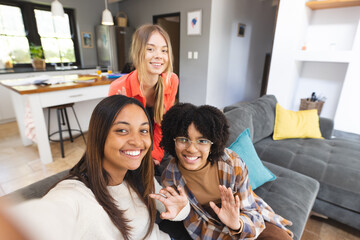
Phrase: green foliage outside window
(36,52)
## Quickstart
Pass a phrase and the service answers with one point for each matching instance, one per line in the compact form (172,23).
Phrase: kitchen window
(13,40)
(23,24)
(56,37)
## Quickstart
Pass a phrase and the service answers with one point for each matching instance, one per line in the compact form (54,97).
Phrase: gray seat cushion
(339,213)
(334,163)
(291,195)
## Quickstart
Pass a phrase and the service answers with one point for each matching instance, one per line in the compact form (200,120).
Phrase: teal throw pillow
(258,173)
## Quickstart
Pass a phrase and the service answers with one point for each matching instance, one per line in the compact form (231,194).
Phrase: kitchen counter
(7,113)
(75,88)
(48,69)
(69,82)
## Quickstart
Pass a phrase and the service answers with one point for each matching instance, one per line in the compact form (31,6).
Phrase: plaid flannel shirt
(254,210)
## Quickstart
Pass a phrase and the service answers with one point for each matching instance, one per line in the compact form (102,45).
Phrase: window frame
(28,14)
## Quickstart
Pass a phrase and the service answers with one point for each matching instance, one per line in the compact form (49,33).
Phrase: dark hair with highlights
(208,120)
(90,171)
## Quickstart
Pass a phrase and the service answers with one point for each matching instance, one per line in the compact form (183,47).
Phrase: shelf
(324,56)
(314,5)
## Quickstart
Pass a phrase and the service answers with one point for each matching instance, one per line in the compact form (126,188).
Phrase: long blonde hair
(137,53)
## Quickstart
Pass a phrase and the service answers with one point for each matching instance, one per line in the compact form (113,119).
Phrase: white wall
(326,79)
(347,116)
(236,63)
(289,35)
(219,45)
(325,33)
(329,66)
(332,26)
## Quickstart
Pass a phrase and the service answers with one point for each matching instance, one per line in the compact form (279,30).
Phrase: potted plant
(37,55)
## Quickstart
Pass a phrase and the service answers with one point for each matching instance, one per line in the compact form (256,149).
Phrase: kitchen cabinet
(7,113)
(41,97)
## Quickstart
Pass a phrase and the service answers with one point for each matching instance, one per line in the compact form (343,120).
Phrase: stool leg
(62,116)
(68,124)
(58,111)
(82,134)
(49,123)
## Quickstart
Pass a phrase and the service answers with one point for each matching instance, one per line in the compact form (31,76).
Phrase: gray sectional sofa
(333,162)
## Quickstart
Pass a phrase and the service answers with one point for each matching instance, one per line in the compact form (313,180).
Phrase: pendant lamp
(107,18)
(57,9)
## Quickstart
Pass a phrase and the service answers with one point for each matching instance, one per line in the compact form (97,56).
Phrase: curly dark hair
(208,120)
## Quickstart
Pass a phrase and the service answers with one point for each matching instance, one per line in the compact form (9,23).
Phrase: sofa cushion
(262,115)
(283,195)
(300,124)
(335,163)
(37,189)
(326,127)
(258,173)
(238,120)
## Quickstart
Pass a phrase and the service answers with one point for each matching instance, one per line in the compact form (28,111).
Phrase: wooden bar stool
(61,111)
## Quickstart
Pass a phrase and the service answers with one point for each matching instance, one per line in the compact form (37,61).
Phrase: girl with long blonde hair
(153,83)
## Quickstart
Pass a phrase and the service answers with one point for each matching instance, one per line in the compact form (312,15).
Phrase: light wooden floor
(21,166)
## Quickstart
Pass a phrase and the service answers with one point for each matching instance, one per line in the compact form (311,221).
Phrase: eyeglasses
(200,144)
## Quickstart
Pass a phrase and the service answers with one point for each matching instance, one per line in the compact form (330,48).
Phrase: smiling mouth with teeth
(132,153)
(191,158)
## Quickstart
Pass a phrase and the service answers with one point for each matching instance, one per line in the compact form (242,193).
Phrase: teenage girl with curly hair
(215,179)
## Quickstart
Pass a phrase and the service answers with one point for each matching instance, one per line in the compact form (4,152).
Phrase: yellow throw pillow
(301,124)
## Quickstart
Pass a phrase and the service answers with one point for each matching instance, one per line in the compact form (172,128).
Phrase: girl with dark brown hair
(109,193)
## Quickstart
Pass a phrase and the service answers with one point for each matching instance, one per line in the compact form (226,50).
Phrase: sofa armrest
(35,190)
(326,127)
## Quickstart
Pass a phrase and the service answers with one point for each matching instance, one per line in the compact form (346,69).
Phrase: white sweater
(70,211)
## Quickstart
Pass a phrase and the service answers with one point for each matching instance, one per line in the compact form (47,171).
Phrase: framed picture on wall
(194,22)
(86,40)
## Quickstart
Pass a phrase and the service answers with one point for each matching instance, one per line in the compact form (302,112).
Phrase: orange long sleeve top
(131,85)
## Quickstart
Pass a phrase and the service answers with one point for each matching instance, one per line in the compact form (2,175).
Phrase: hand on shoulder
(121,91)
